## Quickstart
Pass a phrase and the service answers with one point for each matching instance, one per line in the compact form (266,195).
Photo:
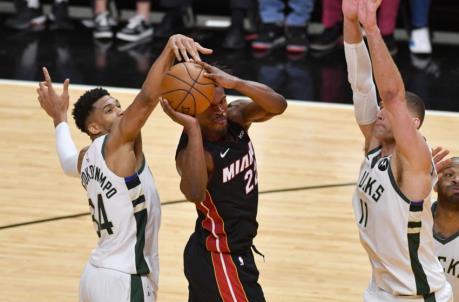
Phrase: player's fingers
(66,86)
(184,53)
(43,88)
(441,154)
(436,150)
(175,49)
(166,107)
(209,75)
(191,49)
(207,67)
(203,50)
(47,77)
(442,165)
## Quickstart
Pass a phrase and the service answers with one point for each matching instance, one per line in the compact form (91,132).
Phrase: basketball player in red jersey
(216,161)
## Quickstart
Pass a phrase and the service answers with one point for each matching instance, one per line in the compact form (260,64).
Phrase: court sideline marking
(347,184)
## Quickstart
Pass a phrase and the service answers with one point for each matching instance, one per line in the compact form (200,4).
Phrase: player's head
(416,109)
(448,183)
(96,111)
(214,117)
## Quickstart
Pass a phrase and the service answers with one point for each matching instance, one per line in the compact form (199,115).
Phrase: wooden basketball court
(308,159)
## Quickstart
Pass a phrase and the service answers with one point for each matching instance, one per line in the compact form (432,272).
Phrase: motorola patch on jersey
(383,165)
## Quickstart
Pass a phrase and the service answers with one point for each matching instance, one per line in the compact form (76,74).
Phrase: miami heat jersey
(447,250)
(395,232)
(227,217)
(125,213)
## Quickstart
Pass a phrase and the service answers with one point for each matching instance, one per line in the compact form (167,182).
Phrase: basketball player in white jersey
(446,223)
(390,202)
(122,195)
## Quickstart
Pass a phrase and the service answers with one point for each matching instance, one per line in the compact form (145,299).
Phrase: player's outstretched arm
(359,73)
(266,102)
(134,117)
(56,106)
(191,161)
(409,142)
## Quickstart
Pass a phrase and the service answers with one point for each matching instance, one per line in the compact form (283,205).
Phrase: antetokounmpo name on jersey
(93,172)
(370,186)
(239,165)
(450,265)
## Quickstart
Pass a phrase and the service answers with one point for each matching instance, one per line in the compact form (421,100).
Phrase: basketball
(186,88)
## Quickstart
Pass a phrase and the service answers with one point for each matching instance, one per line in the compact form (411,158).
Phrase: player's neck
(387,148)
(212,135)
(446,221)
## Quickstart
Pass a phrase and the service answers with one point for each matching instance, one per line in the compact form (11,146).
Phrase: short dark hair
(83,107)
(416,105)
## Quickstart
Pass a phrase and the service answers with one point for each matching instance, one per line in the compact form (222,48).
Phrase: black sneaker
(271,35)
(102,28)
(234,38)
(172,23)
(297,39)
(27,18)
(59,17)
(391,44)
(329,38)
(137,29)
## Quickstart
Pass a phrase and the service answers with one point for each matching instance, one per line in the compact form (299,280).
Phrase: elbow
(192,193)
(392,94)
(281,105)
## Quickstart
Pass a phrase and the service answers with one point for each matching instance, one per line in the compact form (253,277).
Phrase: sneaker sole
(296,48)
(260,46)
(103,35)
(323,46)
(131,38)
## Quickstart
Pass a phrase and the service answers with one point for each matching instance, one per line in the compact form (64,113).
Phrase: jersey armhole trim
(395,185)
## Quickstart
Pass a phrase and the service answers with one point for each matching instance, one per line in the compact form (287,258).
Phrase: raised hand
(351,9)
(438,155)
(367,13)
(180,118)
(55,105)
(184,47)
(220,77)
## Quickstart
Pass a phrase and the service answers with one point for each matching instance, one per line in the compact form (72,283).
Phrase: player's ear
(417,122)
(94,128)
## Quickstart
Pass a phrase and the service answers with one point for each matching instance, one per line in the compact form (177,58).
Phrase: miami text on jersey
(239,165)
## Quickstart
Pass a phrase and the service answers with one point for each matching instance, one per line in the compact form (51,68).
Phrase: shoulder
(81,156)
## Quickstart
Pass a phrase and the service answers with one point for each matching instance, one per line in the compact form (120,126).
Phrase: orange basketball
(186,88)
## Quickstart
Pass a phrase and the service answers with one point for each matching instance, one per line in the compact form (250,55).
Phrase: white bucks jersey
(447,250)
(125,213)
(395,232)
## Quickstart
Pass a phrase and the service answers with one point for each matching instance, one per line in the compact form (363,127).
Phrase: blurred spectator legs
(387,18)
(332,19)
(139,27)
(273,19)
(420,36)
(235,37)
(172,21)
(28,15)
(102,26)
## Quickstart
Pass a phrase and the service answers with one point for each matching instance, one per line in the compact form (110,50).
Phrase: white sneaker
(420,41)
(136,30)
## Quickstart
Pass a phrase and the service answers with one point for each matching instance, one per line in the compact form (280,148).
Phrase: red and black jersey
(227,217)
